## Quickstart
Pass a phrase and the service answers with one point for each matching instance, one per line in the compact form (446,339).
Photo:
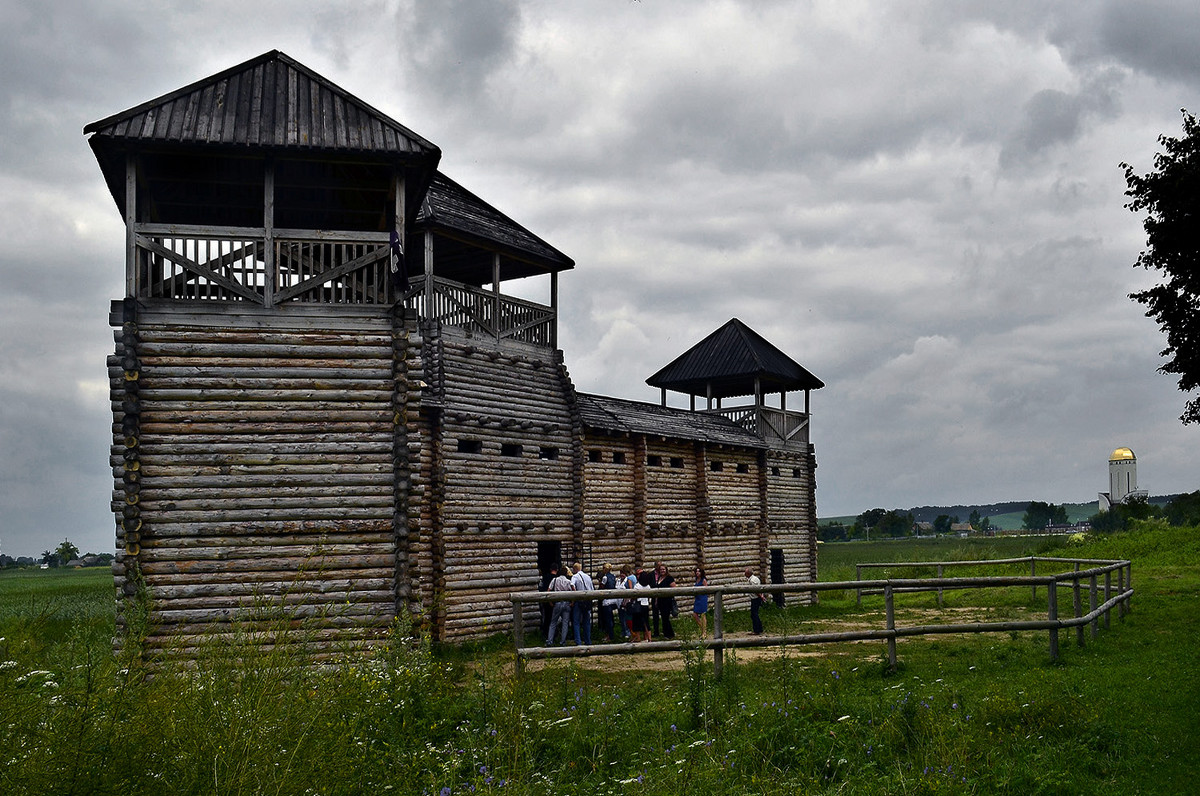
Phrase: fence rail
(1077,579)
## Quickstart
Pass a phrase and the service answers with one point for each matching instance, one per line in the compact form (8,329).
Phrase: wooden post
(131,257)
(858,578)
(1052,610)
(430,312)
(1121,591)
(890,608)
(1078,605)
(1107,597)
(1129,585)
(1095,620)
(939,574)
(1033,573)
(270,278)
(718,634)
(496,296)
(554,310)
(519,634)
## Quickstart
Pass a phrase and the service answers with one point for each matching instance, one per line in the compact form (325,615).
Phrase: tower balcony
(771,424)
(315,266)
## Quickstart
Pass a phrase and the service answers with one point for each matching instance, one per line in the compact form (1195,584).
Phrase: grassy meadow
(961,714)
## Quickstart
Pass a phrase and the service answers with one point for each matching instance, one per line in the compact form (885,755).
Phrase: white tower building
(1122,479)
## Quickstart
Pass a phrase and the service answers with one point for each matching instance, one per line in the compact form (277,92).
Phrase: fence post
(858,577)
(519,634)
(1052,609)
(1107,597)
(890,608)
(718,634)
(1129,585)
(1078,600)
(1033,573)
(939,574)
(1095,620)
(1121,593)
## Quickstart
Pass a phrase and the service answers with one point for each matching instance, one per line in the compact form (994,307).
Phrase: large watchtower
(291,254)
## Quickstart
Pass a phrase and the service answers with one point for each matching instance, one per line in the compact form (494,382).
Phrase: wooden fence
(1098,610)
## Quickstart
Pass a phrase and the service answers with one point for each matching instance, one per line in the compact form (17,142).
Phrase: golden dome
(1122,455)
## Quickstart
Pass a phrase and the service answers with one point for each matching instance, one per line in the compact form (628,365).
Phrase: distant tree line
(61,556)
(895,523)
(1180,510)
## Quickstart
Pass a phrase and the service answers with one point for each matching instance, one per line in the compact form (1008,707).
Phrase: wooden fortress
(325,403)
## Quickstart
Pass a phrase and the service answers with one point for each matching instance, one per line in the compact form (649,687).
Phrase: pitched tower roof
(271,101)
(729,361)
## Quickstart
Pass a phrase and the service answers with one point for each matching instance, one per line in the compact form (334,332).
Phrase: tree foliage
(1040,514)
(1118,516)
(66,552)
(1184,509)
(1170,197)
(879,522)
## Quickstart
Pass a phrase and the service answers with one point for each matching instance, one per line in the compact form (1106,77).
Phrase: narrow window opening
(677,462)
(774,471)
(743,467)
(548,452)
(510,449)
(653,461)
(795,472)
(595,456)
(618,457)
(716,467)
(470,446)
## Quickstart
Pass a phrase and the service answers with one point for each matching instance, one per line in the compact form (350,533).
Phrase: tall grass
(972,714)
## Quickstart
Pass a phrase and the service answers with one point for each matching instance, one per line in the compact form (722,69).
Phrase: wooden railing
(768,422)
(481,312)
(245,264)
(1118,596)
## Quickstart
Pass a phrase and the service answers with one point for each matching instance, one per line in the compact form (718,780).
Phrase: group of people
(639,615)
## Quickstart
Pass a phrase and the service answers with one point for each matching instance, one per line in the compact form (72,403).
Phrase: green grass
(961,714)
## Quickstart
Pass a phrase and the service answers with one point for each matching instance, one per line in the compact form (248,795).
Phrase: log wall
(508,447)
(327,465)
(265,470)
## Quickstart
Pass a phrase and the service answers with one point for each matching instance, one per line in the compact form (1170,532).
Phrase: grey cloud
(452,48)
(1052,118)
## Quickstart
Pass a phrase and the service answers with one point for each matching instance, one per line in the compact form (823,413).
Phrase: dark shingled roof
(271,101)
(730,359)
(455,212)
(635,417)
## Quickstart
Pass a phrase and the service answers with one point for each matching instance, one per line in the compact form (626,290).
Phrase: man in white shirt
(756,601)
(562,609)
(581,614)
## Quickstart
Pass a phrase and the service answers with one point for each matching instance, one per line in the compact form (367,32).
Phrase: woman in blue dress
(700,604)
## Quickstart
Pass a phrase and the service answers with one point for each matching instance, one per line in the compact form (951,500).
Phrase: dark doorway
(777,573)
(549,555)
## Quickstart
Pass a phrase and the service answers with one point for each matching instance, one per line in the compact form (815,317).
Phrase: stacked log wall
(792,512)
(507,446)
(265,446)
(608,498)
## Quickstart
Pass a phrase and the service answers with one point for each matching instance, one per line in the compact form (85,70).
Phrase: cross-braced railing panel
(212,268)
(332,272)
(482,312)
(231,264)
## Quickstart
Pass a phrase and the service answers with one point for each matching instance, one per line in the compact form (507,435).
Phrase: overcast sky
(921,202)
